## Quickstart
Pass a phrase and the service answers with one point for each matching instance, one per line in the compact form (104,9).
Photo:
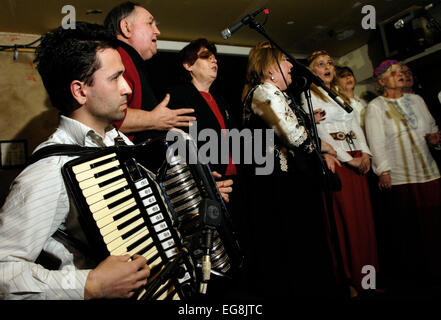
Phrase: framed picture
(13,153)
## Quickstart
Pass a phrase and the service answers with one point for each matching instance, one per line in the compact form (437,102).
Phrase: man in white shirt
(82,73)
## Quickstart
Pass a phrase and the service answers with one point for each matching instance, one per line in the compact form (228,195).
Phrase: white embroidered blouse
(395,129)
(337,120)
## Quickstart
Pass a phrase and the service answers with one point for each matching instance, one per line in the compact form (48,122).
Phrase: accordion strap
(67,238)
(61,150)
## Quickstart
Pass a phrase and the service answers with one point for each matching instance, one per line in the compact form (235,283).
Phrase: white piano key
(119,233)
(99,195)
(97,189)
(116,210)
(91,182)
(109,224)
(155,262)
(86,165)
(119,245)
(142,246)
(150,253)
(106,202)
(90,173)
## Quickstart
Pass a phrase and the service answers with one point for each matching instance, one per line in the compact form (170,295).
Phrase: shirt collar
(83,135)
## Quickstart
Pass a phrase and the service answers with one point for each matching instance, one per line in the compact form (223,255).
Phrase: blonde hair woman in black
(286,246)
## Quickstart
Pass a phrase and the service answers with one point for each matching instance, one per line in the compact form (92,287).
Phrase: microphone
(228,32)
(401,22)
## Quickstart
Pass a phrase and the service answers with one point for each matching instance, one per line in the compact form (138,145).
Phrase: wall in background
(25,109)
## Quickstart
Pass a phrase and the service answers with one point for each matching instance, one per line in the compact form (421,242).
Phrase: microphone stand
(305,71)
(312,78)
(172,269)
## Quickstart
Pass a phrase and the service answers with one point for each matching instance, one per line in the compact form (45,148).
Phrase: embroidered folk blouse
(337,120)
(395,129)
(271,105)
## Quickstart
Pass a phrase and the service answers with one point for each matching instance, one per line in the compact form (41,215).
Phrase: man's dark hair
(65,55)
(114,17)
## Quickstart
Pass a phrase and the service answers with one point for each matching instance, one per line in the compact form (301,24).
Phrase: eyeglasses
(207,55)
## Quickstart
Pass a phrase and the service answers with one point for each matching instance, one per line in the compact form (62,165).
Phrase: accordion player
(143,200)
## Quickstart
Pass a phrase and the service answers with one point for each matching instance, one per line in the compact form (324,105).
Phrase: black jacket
(187,96)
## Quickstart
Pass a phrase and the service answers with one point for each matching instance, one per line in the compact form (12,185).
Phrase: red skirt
(416,226)
(355,225)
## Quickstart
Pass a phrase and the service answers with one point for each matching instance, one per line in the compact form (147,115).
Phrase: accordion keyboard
(129,213)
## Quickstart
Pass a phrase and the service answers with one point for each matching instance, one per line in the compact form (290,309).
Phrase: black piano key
(127,211)
(152,258)
(103,162)
(146,249)
(125,224)
(107,182)
(103,173)
(137,243)
(132,231)
(115,192)
(118,202)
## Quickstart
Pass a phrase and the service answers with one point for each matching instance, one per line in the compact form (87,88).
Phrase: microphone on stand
(211,218)
(401,22)
(228,32)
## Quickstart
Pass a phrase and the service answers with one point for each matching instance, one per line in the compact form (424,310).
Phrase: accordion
(139,200)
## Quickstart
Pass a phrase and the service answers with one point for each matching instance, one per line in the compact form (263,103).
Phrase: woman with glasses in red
(199,63)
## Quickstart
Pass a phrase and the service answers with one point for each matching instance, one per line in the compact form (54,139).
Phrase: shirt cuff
(67,284)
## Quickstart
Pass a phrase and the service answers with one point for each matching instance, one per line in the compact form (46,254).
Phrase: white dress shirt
(35,208)
(338,120)
(395,129)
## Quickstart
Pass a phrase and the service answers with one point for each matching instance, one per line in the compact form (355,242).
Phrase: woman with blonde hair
(352,204)
(286,243)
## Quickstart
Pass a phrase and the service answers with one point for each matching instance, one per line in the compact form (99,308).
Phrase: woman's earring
(272,78)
